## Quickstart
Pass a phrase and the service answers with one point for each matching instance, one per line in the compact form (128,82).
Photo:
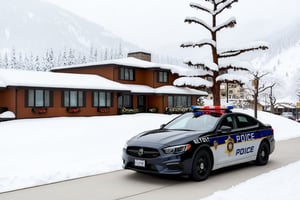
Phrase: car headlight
(177,149)
(125,146)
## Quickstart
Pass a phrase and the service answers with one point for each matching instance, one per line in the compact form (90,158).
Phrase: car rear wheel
(201,166)
(262,157)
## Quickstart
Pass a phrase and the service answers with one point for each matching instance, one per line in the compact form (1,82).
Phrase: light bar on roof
(212,107)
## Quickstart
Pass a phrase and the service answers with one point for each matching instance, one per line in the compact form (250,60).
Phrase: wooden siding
(14,100)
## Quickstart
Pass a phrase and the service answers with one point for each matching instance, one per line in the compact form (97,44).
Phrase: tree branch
(236,52)
(198,21)
(200,7)
(199,44)
(205,66)
(228,24)
(226,4)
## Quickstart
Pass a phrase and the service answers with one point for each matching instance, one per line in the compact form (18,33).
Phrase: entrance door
(141,103)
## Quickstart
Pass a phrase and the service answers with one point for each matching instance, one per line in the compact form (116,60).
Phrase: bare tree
(259,88)
(216,69)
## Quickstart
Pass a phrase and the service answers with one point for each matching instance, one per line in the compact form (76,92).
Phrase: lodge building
(127,85)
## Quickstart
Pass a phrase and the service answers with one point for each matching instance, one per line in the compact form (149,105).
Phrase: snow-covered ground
(39,151)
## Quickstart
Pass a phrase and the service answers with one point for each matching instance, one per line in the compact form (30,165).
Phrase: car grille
(143,152)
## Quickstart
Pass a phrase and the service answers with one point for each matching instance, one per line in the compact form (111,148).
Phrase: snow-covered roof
(2,84)
(169,89)
(138,63)
(9,77)
(192,81)
(142,89)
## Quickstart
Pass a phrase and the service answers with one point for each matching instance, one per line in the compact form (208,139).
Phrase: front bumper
(164,164)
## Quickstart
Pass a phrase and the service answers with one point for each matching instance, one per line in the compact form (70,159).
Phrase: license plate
(139,163)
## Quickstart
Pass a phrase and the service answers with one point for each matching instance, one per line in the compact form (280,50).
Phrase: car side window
(228,121)
(244,121)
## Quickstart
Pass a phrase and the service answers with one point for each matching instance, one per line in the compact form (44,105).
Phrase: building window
(125,101)
(38,98)
(73,98)
(126,74)
(102,99)
(179,101)
(163,77)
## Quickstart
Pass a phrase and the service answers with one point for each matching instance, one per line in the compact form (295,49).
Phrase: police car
(195,143)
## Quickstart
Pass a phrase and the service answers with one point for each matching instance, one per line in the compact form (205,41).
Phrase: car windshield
(192,122)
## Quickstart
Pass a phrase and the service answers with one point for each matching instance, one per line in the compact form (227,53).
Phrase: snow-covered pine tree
(13,60)
(5,61)
(65,58)
(215,71)
(21,62)
(37,64)
(71,57)
(50,60)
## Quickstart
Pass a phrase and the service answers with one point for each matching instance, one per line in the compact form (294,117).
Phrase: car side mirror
(225,129)
(162,126)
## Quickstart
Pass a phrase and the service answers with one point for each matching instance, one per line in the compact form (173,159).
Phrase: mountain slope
(34,26)
(285,70)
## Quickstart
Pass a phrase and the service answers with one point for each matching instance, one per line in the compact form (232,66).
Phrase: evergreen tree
(120,53)
(65,58)
(71,57)
(6,62)
(13,61)
(213,71)
(37,64)
(21,62)
(106,54)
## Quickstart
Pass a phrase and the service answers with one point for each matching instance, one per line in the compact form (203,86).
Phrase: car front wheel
(262,157)
(201,166)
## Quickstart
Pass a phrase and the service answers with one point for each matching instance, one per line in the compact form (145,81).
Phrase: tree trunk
(216,94)
(256,84)
(216,86)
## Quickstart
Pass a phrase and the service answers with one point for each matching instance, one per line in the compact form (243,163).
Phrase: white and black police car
(195,143)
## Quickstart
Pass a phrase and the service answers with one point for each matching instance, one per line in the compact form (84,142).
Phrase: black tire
(202,166)
(263,153)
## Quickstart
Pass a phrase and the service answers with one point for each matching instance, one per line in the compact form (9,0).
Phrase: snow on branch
(198,21)
(235,65)
(210,66)
(220,1)
(230,23)
(226,4)
(239,50)
(216,2)
(199,44)
(192,81)
(200,7)
(232,78)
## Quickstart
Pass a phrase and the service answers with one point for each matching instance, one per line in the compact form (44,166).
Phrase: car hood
(164,137)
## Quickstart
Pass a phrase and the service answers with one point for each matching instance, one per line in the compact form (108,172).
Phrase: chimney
(140,55)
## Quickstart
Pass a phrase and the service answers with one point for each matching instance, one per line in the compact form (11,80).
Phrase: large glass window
(163,77)
(102,99)
(179,101)
(125,101)
(73,98)
(39,98)
(126,73)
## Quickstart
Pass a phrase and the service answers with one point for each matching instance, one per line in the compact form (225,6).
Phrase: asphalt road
(129,185)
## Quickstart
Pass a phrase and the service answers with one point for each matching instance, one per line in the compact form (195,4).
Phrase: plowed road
(129,185)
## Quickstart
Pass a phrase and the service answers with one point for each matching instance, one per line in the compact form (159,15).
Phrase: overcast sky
(157,24)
